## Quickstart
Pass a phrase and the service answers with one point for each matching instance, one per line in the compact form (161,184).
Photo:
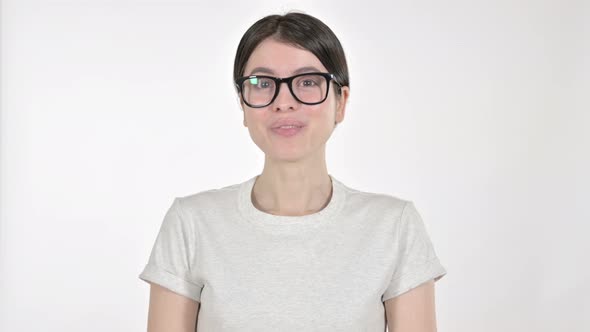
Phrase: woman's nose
(285,99)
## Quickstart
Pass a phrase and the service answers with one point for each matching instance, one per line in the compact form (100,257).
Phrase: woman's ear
(341,102)
(243,113)
(241,105)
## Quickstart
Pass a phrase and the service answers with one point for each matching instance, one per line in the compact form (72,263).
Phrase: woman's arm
(171,312)
(412,311)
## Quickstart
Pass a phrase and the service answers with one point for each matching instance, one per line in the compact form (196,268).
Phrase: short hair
(300,30)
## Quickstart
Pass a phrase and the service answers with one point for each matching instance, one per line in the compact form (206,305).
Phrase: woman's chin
(287,156)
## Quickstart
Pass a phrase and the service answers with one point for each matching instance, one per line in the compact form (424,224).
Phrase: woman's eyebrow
(307,69)
(265,70)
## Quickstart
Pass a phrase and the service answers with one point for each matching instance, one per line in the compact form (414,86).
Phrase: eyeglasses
(260,90)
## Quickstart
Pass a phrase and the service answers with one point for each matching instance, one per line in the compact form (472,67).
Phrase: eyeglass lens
(258,91)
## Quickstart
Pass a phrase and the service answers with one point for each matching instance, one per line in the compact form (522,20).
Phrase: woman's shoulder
(209,198)
(380,200)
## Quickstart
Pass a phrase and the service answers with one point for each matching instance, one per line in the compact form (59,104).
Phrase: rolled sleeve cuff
(433,269)
(157,275)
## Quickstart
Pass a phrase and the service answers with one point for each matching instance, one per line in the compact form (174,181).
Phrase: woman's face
(278,59)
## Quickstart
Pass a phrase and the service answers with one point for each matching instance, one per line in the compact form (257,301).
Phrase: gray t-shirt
(327,271)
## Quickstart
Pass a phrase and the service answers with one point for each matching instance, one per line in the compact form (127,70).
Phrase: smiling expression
(278,59)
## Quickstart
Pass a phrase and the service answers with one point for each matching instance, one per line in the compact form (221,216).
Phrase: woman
(293,248)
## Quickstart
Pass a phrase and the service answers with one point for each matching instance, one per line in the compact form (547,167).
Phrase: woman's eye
(260,83)
(307,83)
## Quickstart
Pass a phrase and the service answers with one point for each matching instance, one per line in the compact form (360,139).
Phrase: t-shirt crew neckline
(261,218)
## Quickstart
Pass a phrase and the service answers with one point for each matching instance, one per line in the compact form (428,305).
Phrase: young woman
(293,248)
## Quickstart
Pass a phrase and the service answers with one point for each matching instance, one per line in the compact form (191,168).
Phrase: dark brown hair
(300,30)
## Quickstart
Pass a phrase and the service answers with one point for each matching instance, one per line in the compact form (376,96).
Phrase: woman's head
(299,30)
(282,47)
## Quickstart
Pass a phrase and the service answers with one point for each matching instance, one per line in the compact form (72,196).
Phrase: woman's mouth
(288,130)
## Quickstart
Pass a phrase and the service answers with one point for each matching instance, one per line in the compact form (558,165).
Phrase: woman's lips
(287,122)
(286,131)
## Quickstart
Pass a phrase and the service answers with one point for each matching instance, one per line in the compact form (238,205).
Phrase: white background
(478,111)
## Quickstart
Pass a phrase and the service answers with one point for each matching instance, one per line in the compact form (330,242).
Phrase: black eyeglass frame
(289,80)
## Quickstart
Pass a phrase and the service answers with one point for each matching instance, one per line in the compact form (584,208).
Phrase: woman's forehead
(281,59)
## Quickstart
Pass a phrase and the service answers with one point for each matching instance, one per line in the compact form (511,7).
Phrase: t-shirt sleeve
(416,260)
(173,252)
